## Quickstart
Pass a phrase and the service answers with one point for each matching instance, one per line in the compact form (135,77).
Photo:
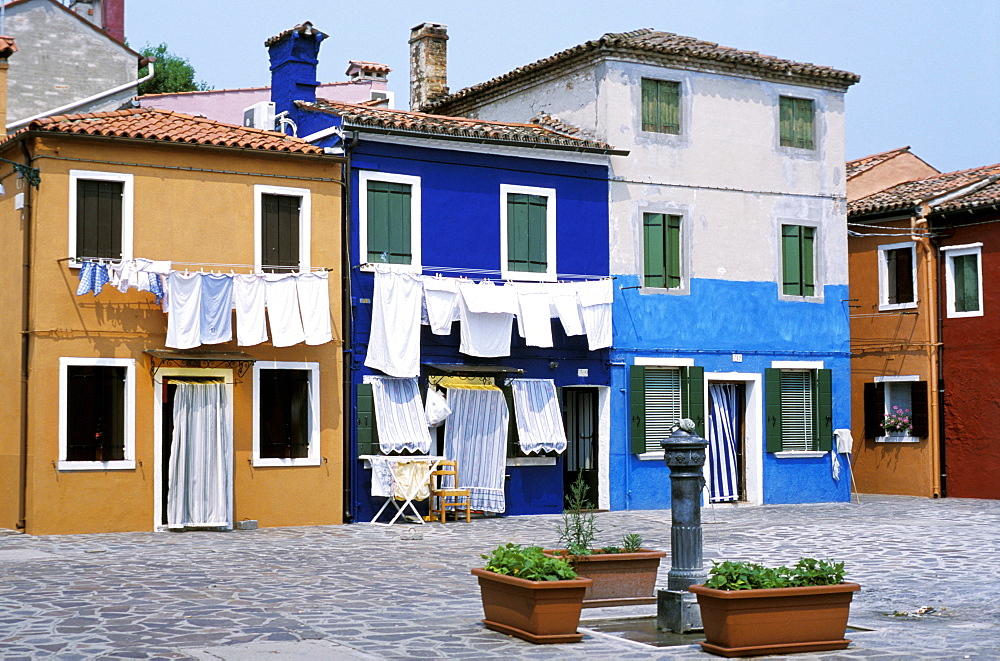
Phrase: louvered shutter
(797,410)
(693,399)
(874,409)
(919,409)
(664,407)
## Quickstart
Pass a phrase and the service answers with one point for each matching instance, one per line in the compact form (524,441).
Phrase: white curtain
(722,417)
(201,459)
(475,436)
(536,410)
(399,413)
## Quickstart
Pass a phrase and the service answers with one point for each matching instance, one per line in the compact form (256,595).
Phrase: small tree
(172,73)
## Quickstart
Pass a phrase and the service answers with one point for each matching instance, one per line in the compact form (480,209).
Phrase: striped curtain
(536,410)
(722,418)
(475,436)
(399,413)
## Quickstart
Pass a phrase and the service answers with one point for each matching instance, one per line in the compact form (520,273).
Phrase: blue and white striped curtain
(723,414)
(536,410)
(399,413)
(475,436)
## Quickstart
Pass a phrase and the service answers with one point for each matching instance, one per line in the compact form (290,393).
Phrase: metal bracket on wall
(31,175)
(237,361)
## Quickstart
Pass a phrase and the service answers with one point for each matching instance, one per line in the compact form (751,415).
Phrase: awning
(399,413)
(469,377)
(536,410)
(236,360)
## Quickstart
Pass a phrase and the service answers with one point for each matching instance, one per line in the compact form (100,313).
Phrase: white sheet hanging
(536,410)
(567,305)
(201,459)
(399,413)
(184,320)
(475,436)
(314,306)
(283,316)
(534,319)
(441,298)
(249,297)
(216,308)
(394,342)
(487,315)
(596,298)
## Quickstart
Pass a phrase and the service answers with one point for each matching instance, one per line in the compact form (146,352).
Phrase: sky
(930,69)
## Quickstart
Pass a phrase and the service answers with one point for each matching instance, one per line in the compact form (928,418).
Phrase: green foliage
(752,576)
(631,543)
(529,563)
(579,527)
(172,73)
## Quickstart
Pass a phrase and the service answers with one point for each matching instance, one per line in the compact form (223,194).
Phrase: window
(799,405)
(662,250)
(528,232)
(661,106)
(906,392)
(897,276)
(796,120)
(286,414)
(390,219)
(797,256)
(100,215)
(660,396)
(96,413)
(962,280)
(282,229)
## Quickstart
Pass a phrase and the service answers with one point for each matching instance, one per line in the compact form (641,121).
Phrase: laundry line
(494,272)
(108,260)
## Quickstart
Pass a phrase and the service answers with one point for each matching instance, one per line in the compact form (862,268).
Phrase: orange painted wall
(181,215)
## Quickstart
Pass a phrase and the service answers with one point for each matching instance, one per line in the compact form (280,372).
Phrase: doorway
(727,442)
(581,417)
(194,468)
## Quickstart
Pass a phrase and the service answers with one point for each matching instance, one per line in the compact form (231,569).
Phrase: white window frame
(551,272)
(883,276)
(313,456)
(305,223)
(951,252)
(128,463)
(416,259)
(128,201)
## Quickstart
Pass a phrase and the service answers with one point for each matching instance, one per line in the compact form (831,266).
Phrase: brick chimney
(294,56)
(428,63)
(7,48)
(113,19)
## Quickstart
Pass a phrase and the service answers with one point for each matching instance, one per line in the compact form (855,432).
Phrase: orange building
(119,417)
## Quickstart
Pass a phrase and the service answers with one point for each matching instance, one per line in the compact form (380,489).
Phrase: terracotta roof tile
(461,127)
(911,193)
(861,165)
(170,126)
(677,50)
(374,66)
(7,47)
(302,28)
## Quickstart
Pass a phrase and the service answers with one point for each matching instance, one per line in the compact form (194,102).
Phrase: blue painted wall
(717,319)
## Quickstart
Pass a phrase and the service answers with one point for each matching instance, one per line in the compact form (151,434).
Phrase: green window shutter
(693,397)
(823,407)
(791,260)
(513,440)
(795,120)
(966,273)
(99,219)
(527,238)
(786,110)
(673,251)
(808,255)
(649,119)
(637,408)
(772,409)
(280,231)
(660,106)
(653,249)
(367,432)
(389,223)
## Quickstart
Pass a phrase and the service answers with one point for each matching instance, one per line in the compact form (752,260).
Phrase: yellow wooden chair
(452,497)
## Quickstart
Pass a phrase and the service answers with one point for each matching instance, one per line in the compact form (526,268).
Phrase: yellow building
(120,417)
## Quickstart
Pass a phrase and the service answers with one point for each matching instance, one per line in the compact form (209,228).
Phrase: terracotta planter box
(778,621)
(537,611)
(619,579)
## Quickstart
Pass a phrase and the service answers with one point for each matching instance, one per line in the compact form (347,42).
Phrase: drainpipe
(100,95)
(942,468)
(347,327)
(932,323)
(26,214)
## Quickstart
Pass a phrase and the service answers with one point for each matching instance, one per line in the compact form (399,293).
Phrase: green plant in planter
(631,543)
(579,527)
(529,563)
(752,576)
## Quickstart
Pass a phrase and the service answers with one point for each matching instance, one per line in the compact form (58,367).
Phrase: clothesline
(497,272)
(109,260)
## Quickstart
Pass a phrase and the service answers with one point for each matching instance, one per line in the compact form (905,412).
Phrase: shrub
(752,576)
(528,563)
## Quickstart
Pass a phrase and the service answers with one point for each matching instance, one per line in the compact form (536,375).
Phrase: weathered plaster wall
(62,59)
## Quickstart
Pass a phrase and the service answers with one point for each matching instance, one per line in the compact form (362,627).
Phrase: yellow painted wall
(889,344)
(182,215)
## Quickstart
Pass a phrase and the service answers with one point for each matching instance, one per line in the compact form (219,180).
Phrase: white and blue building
(728,244)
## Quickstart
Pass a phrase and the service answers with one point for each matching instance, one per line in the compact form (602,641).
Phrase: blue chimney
(294,55)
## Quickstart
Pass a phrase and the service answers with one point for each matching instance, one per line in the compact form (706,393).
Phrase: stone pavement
(375,592)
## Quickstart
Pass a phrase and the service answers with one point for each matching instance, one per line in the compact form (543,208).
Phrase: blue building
(441,204)
(729,249)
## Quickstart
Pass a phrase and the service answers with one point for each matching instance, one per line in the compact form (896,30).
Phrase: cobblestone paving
(406,592)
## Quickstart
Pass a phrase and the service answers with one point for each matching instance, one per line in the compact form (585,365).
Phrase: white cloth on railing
(536,410)
(394,341)
(249,298)
(314,305)
(399,414)
(476,438)
(283,316)
(184,319)
(382,483)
